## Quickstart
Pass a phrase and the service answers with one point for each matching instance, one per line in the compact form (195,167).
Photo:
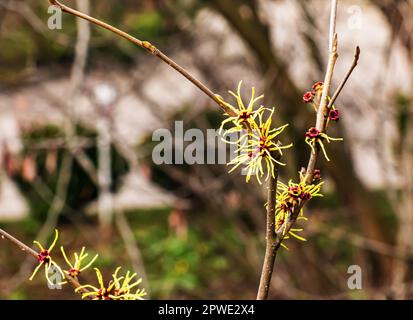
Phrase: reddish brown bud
(317,175)
(312,133)
(318,86)
(308,97)
(334,115)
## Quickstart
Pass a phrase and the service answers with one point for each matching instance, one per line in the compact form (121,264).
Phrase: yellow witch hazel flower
(291,198)
(124,289)
(76,268)
(119,288)
(241,114)
(299,192)
(44,258)
(260,149)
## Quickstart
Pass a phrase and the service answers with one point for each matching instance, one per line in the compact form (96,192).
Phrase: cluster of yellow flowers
(258,152)
(119,288)
(290,199)
(257,145)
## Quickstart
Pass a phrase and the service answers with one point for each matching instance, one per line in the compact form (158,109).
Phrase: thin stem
(271,246)
(333,24)
(18,243)
(150,48)
(322,109)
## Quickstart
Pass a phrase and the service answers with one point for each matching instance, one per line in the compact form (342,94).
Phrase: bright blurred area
(78,107)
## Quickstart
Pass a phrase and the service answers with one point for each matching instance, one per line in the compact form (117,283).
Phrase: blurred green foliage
(146,25)
(176,264)
(403,106)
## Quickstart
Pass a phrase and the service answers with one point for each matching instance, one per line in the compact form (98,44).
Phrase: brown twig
(150,48)
(25,248)
(271,245)
(321,125)
(322,108)
(322,114)
(21,245)
(346,78)
(333,24)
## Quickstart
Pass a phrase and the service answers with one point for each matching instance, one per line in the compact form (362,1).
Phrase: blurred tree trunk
(399,14)
(366,211)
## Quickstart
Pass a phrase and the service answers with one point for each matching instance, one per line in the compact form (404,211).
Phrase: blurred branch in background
(105,97)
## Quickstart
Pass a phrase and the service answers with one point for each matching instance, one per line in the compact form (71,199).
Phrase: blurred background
(78,107)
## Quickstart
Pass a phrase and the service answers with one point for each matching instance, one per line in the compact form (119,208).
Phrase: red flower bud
(318,86)
(334,115)
(308,97)
(312,133)
(317,176)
